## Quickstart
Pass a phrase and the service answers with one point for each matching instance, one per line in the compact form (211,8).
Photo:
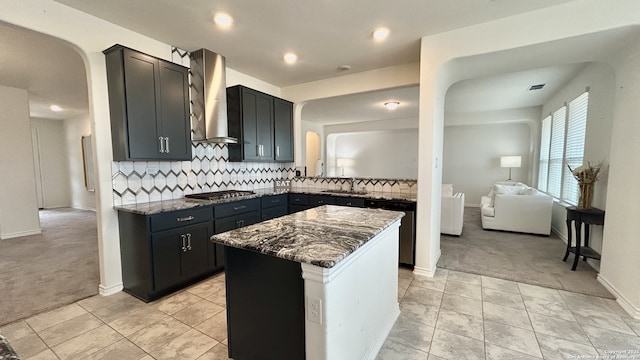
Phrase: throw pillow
(529,191)
(505,189)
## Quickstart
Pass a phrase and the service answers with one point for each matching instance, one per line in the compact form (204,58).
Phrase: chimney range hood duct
(209,97)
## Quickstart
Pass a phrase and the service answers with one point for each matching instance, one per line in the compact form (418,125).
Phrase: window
(561,144)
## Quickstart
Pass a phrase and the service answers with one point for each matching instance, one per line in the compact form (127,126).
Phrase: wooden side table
(580,216)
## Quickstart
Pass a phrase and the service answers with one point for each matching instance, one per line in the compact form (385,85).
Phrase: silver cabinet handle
(161,144)
(278,151)
(166,140)
(186,218)
(239,207)
(188,241)
(184,247)
(239,223)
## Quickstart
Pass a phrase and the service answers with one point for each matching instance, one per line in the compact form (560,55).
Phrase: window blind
(574,149)
(545,141)
(556,152)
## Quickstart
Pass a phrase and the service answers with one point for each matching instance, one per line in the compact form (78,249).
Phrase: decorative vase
(586,195)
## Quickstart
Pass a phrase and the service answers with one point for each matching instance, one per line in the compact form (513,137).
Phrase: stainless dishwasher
(407,251)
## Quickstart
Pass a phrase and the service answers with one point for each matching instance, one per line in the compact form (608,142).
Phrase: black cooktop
(216,195)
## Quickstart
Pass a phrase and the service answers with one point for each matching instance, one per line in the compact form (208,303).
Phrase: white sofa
(452,211)
(517,207)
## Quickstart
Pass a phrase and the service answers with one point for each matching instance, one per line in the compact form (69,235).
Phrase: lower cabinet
(181,254)
(273,206)
(163,252)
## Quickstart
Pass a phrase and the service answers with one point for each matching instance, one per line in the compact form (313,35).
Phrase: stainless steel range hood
(209,97)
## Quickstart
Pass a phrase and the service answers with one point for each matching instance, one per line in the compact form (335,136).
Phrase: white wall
(621,248)
(385,148)
(600,78)
(391,154)
(75,129)
(18,202)
(54,164)
(471,157)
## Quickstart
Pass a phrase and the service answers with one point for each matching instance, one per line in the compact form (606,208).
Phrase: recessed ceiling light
(290,58)
(380,33)
(223,20)
(55,108)
(392,105)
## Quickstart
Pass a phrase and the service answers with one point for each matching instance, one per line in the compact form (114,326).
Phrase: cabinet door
(264,126)
(250,124)
(141,89)
(167,258)
(174,115)
(195,261)
(283,130)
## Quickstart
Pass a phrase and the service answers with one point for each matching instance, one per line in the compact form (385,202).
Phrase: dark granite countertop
(156,207)
(321,236)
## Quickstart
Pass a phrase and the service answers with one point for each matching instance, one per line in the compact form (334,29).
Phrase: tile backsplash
(210,170)
(405,186)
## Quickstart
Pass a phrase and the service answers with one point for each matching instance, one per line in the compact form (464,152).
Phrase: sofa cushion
(488,211)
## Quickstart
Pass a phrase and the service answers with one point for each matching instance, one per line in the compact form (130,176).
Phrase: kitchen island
(318,284)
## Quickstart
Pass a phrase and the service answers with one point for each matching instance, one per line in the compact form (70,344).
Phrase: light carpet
(525,258)
(55,268)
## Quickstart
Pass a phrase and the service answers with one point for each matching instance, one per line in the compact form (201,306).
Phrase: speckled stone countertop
(321,236)
(156,207)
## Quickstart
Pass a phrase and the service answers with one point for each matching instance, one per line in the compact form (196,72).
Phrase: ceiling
(262,31)
(50,70)
(325,34)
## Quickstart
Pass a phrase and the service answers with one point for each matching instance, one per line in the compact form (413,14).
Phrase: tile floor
(453,315)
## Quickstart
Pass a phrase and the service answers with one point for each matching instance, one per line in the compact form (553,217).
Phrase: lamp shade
(510,161)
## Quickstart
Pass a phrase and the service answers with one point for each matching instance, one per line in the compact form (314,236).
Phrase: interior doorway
(314,161)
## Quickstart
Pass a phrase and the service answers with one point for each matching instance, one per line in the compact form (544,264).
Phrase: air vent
(536,87)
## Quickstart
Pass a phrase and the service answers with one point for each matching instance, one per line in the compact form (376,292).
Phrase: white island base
(351,307)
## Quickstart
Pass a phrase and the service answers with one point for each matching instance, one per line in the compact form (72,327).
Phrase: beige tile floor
(453,315)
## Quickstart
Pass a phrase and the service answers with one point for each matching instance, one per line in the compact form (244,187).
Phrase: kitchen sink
(340,191)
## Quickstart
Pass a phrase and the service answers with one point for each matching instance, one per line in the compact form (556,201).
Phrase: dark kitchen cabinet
(149,106)
(161,253)
(180,254)
(263,125)
(236,214)
(250,120)
(283,130)
(273,206)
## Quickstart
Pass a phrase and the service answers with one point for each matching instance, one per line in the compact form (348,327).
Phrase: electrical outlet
(314,310)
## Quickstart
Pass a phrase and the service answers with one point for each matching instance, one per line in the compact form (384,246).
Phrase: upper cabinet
(283,130)
(263,125)
(149,106)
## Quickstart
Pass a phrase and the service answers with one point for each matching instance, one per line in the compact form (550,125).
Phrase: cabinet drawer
(237,207)
(319,200)
(349,201)
(235,222)
(274,200)
(173,219)
(274,212)
(298,199)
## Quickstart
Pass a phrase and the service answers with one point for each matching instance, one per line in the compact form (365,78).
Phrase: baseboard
(20,234)
(106,291)
(562,236)
(417,270)
(633,311)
